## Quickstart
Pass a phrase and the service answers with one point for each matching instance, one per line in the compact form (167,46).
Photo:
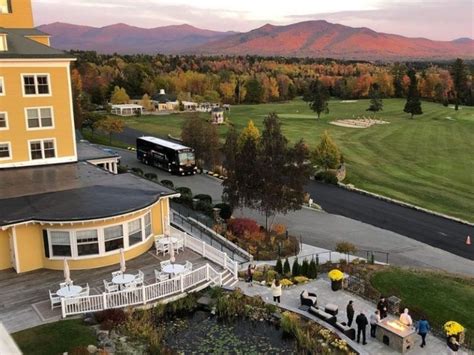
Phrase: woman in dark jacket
(423,327)
(382,306)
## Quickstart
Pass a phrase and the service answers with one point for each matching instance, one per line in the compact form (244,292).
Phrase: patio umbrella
(67,273)
(122,261)
(171,246)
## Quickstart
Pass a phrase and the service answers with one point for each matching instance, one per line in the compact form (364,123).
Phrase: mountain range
(303,39)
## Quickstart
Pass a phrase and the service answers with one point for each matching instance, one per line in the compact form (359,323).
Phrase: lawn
(426,161)
(440,297)
(55,338)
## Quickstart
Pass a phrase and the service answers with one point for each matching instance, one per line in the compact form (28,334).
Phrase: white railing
(186,282)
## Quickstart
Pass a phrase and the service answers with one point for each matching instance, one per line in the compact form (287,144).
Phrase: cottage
(217,115)
(127,109)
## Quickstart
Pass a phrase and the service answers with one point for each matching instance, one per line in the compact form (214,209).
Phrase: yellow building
(60,199)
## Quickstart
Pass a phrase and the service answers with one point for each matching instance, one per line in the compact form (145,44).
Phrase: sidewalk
(291,300)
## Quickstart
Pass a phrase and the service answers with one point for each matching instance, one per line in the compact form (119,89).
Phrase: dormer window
(5,7)
(3,42)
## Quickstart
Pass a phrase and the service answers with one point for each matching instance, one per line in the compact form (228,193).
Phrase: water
(202,333)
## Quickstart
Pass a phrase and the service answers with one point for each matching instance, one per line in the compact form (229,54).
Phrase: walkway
(291,301)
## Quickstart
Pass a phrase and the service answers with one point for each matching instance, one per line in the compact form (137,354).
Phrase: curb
(404,204)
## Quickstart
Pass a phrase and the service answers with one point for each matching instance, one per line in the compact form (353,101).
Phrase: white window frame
(10,157)
(38,109)
(124,237)
(76,243)
(145,225)
(140,222)
(50,245)
(6,121)
(42,140)
(35,75)
(2,85)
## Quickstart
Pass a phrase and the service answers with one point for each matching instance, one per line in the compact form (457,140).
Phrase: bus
(170,156)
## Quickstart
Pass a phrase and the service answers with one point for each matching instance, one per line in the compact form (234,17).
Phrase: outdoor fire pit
(396,335)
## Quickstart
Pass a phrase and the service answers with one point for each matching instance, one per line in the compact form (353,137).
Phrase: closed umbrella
(67,273)
(171,246)
(122,261)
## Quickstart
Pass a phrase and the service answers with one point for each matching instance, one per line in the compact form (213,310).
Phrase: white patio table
(175,269)
(123,279)
(168,240)
(69,291)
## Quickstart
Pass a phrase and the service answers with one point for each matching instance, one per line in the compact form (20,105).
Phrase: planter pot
(336,285)
(459,337)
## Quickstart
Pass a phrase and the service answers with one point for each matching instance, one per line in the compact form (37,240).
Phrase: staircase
(228,280)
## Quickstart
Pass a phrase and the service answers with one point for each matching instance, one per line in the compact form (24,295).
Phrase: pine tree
(413,104)
(286,267)
(376,103)
(459,75)
(279,266)
(317,97)
(312,269)
(295,268)
(304,269)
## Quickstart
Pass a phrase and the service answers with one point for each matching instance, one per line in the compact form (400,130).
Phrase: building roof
(217,109)
(20,47)
(164,143)
(127,106)
(87,151)
(163,98)
(72,192)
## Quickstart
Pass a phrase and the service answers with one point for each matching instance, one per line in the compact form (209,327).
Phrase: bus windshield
(187,158)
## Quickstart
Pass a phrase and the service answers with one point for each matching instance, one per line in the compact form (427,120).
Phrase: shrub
(279,266)
(271,275)
(326,176)
(285,283)
(137,171)
(346,248)
(240,226)
(204,198)
(167,183)
(226,210)
(122,169)
(279,229)
(186,195)
(289,323)
(258,275)
(286,267)
(295,268)
(151,176)
(312,269)
(204,206)
(300,279)
(304,268)
(111,317)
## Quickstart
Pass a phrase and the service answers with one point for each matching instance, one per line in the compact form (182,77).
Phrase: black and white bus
(172,157)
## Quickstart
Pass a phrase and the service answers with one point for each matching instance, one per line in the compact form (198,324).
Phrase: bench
(331,319)
(348,331)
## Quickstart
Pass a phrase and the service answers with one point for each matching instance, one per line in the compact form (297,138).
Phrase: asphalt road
(436,231)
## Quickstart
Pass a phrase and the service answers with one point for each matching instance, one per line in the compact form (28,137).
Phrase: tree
(90,121)
(317,97)
(286,267)
(146,102)
(304,268)
(77,97)
(111,125)
(119,96)
(230,150)
(327,154)
(413,104)
(376,103)
(279,266)
(255,91)
(295,268)
(312,269)
(249,132)
(459,75)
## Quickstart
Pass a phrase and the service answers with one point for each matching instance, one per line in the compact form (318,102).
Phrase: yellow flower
(285,282)
(453,328)
(336,275)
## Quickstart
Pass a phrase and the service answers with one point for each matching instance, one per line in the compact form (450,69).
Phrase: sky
(433,19)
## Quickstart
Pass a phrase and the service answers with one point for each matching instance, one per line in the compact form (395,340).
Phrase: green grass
(426,161)
(440,297)
(55,338)
(99,138)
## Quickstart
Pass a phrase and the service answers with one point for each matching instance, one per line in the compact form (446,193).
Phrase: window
(36,84)
(44,149)
(148,225)
(5,7)
(87,242)
(2,86)
(113,237)
(60,243)
(5,151)
(39,117)
(135,231)
(3,42)
(3,121)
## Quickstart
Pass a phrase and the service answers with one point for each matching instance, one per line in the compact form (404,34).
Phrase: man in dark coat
(350,313)
(382,306)
(362,323)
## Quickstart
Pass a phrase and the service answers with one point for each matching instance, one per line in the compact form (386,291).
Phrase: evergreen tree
(312,269)
(230,184)
(204,138)
(255,91)
(398,71)
(376,103)
(286,267)
(327,155)
(304,268)
(251,132)
(459,75)
(295,268)
(279,266)
(413,104)
(317,97)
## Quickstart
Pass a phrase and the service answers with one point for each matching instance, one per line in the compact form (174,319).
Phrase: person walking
(250,271)
(453,346)
(361,321)
(405,318)
(276,290)
(423,327)
(374,319)
(350,312)
(382,306)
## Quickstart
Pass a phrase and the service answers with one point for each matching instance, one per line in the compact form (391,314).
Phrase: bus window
(187,158)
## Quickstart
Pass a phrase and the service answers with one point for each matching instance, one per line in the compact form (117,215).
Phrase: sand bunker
(358,123)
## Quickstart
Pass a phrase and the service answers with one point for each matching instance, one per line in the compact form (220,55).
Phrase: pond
(203,333)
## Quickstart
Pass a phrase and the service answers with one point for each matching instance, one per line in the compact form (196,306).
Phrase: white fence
(187,282)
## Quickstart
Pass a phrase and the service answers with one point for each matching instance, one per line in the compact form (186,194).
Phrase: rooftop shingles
(87,151)
(72,192)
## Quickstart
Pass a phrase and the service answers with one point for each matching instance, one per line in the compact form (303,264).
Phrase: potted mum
(336,276)
(454,329)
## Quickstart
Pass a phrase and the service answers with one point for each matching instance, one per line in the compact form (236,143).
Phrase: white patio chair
(188,266)
(161,248)
(130,286)
(179,245)
(55,299)
(116,273)
(161,276)
(139,278)
(110,286)
(64,284)
(165,263)
(85,291)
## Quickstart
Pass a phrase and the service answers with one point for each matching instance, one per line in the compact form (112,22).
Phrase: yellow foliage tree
(119,96)
(111,125)
(146,102)
(249,132)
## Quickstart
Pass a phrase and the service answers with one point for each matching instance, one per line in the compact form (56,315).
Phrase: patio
(24,300)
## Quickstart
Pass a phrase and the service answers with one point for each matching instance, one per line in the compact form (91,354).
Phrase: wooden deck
(23,296)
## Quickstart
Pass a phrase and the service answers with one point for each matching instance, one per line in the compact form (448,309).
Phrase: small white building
(127,109)
(217,115)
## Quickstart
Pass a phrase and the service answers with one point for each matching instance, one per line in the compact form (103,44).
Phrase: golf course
(427,161)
